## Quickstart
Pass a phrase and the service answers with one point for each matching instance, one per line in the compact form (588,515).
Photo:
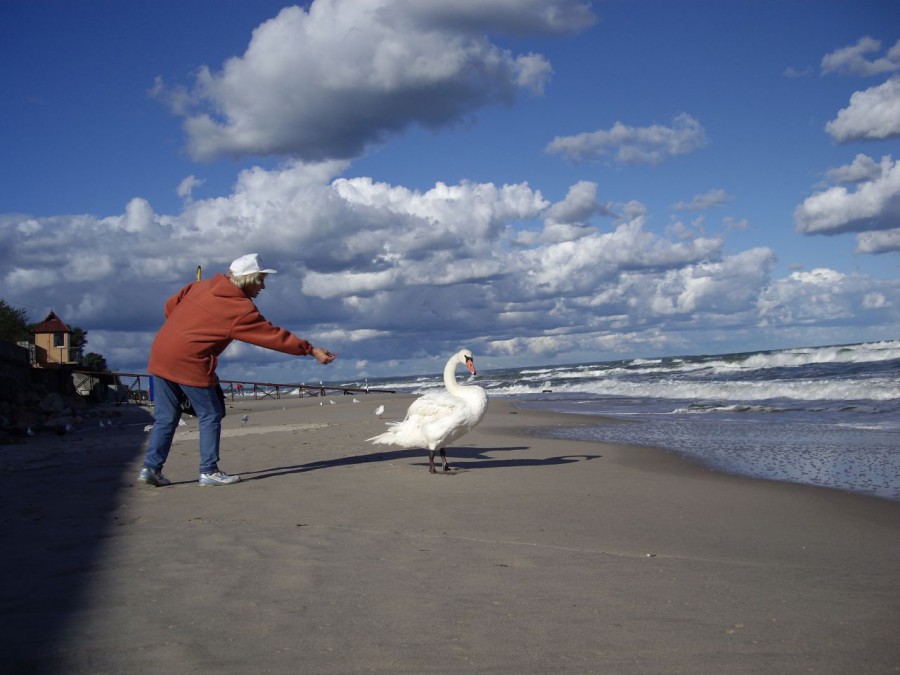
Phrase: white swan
(437,418)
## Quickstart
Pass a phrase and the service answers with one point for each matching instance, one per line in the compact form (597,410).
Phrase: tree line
(15,327)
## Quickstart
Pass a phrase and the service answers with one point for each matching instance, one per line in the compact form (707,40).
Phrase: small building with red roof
(53,343)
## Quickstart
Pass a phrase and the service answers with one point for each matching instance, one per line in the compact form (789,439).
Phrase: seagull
(331,402)
(379,411)
(244,420)
(356,400)
(29,431)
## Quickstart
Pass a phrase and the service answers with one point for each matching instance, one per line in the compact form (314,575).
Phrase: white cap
(248,264)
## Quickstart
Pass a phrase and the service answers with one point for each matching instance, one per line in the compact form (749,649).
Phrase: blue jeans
(167,412)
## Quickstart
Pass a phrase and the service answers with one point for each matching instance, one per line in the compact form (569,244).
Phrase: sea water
(826,416)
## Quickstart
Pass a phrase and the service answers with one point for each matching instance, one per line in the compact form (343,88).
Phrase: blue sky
(541,181)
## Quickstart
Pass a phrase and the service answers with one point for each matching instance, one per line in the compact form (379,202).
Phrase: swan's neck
(450,378)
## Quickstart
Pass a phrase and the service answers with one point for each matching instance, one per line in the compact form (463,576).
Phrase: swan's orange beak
(470,364)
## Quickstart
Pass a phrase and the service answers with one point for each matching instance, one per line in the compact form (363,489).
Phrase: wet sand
(533,555)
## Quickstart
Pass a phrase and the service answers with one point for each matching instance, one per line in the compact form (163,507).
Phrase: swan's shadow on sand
(478,458)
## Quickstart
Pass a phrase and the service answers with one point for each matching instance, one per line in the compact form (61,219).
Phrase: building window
(59,339)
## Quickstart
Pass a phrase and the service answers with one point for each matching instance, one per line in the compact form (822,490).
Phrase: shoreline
(854,473)
(332,555)
(570,419)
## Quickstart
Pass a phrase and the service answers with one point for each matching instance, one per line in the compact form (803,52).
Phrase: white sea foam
(733,378)
(801,390)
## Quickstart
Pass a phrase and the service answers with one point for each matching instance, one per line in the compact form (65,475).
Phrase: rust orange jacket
(202,319)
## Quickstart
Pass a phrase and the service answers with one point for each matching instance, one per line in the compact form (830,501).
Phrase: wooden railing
(129,387)
(236,388)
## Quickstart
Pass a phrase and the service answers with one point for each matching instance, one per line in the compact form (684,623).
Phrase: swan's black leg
(431,468)
(444,460)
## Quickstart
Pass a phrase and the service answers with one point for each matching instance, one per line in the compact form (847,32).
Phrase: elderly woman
(202,319)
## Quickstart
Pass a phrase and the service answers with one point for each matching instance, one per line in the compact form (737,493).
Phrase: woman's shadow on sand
(460,459)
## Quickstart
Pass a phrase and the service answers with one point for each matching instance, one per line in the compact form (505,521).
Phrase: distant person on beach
(202,319)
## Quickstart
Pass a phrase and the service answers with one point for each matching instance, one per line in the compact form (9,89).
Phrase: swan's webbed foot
(431,468)
(444,461)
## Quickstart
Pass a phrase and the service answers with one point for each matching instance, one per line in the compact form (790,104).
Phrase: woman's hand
(323,356)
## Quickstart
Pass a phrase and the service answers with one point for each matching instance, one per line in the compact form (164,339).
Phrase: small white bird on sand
(331,402)
(244,419)
(356,400)
(379,411)
(437,418)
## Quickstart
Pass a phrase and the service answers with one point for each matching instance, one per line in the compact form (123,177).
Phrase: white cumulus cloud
(852,60)
(329,81)
(707,200)
(873,114)
(823,297)
(878,242)
(873,204)
(634,145)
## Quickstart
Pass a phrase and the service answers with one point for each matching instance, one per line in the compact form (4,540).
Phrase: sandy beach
(336,556)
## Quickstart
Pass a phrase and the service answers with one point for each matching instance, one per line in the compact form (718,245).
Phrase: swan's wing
(433,405)
(478,403)
(466,413)
(428,420)
(470,414)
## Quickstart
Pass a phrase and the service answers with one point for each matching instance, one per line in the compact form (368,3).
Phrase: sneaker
(154,478)
(218,478)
